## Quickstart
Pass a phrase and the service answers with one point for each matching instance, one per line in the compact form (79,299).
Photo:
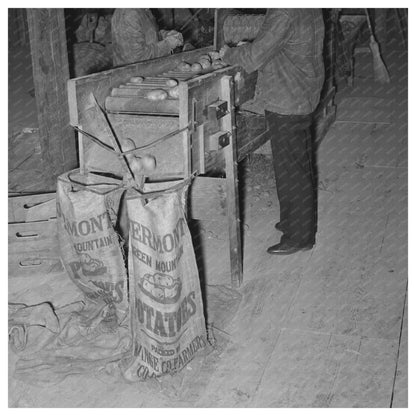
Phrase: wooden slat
(145,86)
(33,264)
(127,92)
(138,89)
(251,145)
(158,78)
(184,120)
(141,105)
(198,150)
(207,199)
(32,207)
(180,76)
(46,210)
(233,210)
(32,236)
(152,83)
(81,152)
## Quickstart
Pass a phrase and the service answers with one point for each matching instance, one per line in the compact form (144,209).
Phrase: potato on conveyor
(214,55)
(137,80)
(157,95)
(174,92)
(204,57)
(171,82)
(205,64)
(184,66)
(218,64)
(196,67)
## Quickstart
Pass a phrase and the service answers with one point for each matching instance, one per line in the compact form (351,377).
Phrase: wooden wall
(50,75)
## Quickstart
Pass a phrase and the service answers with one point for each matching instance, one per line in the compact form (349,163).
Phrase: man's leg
(292,160)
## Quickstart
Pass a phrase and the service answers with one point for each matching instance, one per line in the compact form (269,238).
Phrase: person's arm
(272,35)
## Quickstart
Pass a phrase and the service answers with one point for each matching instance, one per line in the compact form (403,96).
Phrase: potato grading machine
(197,128)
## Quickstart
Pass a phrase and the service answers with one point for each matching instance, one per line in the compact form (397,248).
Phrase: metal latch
(218,140)
(217,110)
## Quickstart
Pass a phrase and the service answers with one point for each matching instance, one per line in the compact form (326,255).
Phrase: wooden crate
(32,207)
(33,246)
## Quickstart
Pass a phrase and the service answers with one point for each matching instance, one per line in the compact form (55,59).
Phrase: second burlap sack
(167,318)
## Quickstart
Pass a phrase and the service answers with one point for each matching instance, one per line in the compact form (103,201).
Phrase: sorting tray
(131,97)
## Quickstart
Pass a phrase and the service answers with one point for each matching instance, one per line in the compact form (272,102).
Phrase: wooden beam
(233,210)
(50,75)
(208,199)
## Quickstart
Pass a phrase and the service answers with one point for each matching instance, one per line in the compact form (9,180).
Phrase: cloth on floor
(22,316)
(222,305)
(88,340)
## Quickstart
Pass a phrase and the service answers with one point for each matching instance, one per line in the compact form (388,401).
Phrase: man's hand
(174,39)
(165,33)
(223,50)
(173,33)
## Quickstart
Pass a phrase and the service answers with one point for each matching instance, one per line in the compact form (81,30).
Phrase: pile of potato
(211,61)
(171,91)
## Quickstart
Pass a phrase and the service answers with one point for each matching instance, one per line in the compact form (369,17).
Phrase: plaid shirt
(287,52)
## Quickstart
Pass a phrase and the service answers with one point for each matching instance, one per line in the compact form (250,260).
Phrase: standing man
(287,51)
(136,37)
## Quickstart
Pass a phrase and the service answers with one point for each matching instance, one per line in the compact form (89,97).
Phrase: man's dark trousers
(291,142)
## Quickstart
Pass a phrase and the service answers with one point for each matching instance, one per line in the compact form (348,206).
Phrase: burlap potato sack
(89,245)
(166,311)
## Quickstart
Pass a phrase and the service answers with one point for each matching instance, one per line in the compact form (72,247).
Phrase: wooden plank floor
(324,328)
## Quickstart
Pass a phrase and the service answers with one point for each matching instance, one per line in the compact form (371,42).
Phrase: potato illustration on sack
(155,291)
(92,267)
(161,287)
